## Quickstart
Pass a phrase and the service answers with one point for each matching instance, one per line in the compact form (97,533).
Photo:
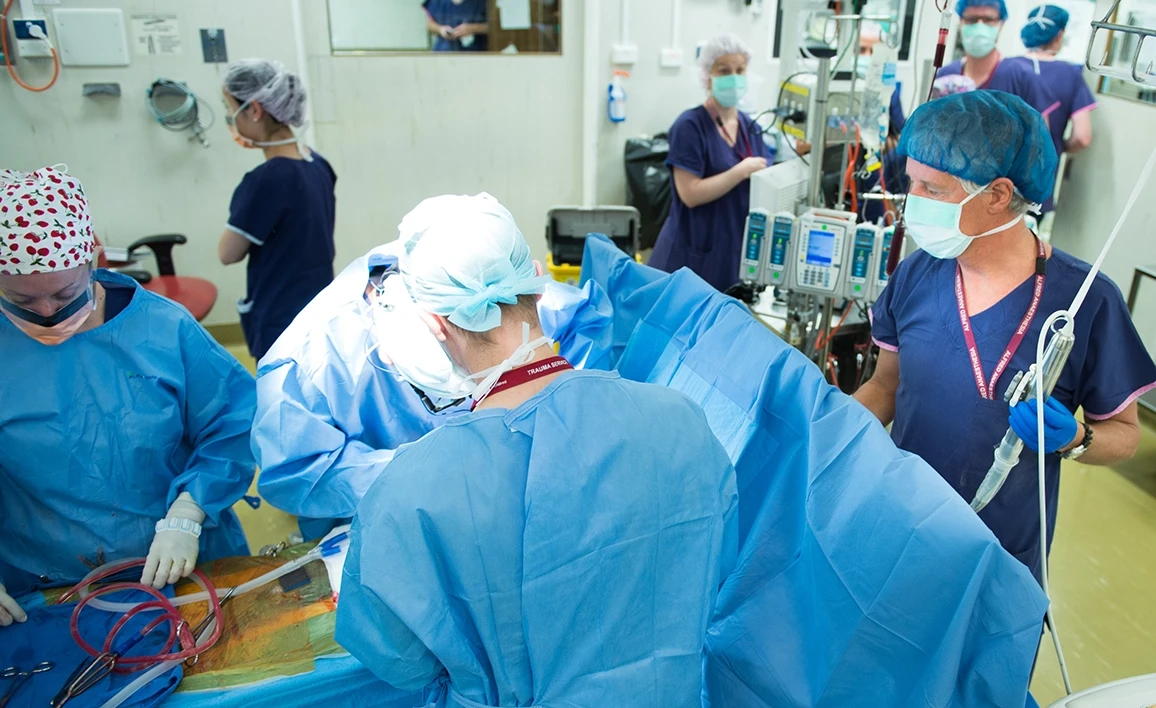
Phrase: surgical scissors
(19,678)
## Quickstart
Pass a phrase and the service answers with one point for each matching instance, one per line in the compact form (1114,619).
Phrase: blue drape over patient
(862,577)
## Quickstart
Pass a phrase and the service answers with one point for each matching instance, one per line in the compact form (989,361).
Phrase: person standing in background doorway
(1062,83)
(282,214)
(458,25)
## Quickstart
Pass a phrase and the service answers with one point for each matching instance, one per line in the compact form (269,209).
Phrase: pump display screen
(820,248)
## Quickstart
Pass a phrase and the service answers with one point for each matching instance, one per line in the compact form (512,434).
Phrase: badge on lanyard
(987,389)
(734,141)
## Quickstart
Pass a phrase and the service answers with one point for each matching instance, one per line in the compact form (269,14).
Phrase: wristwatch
(1075,452)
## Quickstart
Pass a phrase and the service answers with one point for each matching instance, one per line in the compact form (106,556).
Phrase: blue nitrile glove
(1060,425)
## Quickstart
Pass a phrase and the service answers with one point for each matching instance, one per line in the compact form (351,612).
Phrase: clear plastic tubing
(122,607)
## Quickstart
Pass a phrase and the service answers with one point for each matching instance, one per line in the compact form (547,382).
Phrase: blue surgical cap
(998,4)
(981,136)
(1044,23)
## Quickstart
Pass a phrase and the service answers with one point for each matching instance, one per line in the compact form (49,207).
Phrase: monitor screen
(820,248)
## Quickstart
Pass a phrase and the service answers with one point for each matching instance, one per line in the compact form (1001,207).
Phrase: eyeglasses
(432,407)
(975,20)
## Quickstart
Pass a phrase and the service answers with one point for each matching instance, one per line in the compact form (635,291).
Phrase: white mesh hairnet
(266,82)
(720,46)
(463,256)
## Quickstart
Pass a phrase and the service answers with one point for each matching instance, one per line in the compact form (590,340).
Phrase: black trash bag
(648,184)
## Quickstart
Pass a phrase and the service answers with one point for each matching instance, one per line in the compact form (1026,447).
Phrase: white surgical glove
(9,611)
(173,554)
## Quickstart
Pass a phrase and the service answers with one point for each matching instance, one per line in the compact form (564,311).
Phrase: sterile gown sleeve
(309,465)
(579,321)
(220,401)
(367,627)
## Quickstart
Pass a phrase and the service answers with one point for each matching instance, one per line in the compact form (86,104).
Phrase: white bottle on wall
(616,101)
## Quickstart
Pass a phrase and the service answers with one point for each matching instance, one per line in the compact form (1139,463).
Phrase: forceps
(19,678)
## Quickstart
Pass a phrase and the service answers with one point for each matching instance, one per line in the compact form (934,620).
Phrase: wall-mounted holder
(213,46)
(101,90)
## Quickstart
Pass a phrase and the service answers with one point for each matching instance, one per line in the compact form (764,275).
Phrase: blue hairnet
(981,136)
(962,5)
(463,256)
(1044,23)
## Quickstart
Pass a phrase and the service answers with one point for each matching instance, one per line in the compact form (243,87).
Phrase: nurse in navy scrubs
(714,149)
(458,25)
(282,214)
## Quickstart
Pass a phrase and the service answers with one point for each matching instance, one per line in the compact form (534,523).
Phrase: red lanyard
(987,390)
(740,133)
(526,374)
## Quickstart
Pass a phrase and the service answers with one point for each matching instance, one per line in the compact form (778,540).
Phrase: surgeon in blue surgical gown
(329,413)
(862,578)
(561,545)
(123,425)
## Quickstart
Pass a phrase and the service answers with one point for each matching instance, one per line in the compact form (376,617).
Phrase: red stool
(197,295)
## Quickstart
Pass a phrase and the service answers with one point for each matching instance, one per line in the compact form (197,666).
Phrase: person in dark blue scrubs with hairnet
(458,25)
(963,315)
(714,149)
(980,25)
(1062,84)
(282,215)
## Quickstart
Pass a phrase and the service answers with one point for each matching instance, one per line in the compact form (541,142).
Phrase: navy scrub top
(1062,85)
(448,12)
(708,238)
(286,209)
(939,414)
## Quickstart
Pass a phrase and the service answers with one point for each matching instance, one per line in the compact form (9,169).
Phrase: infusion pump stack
(819,252)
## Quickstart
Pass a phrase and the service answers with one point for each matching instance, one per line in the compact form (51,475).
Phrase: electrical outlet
(27,46)
(624,54)
(670,58)
(24,28)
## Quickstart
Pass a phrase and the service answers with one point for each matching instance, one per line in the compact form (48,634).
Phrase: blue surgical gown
(707,238)
(329,417)
(939,414)
(862,578)
(100,435)
(567,552)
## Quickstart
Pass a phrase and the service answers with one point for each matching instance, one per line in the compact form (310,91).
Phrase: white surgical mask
(935,225)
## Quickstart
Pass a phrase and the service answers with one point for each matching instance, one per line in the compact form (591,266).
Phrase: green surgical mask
(728,90)
(979,39)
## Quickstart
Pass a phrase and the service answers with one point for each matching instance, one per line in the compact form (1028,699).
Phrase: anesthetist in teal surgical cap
(560,545)
(123,426)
